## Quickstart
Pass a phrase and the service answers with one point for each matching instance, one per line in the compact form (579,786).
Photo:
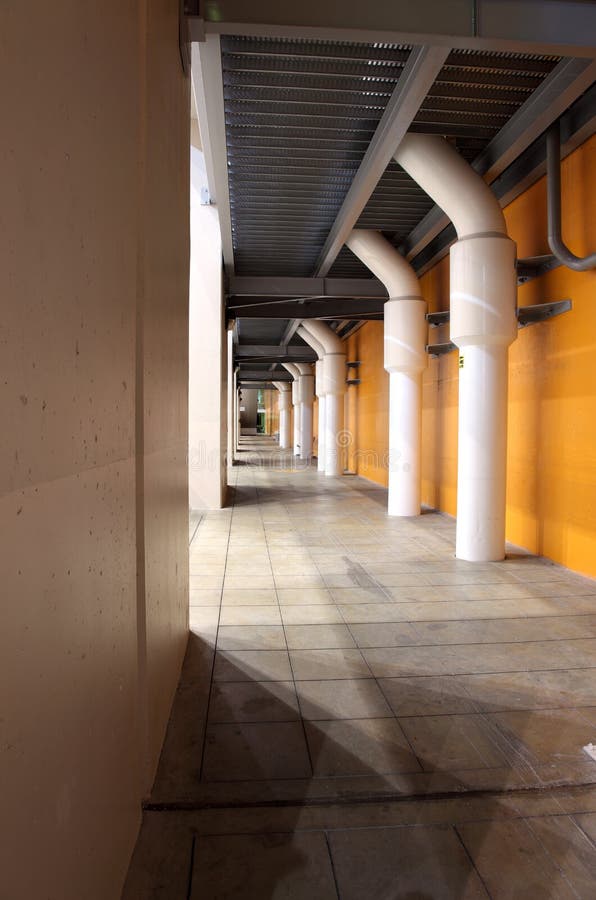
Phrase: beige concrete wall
(93,288)
(208,344)
(165,226)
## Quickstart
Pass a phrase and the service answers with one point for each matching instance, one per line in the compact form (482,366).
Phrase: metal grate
(299,117)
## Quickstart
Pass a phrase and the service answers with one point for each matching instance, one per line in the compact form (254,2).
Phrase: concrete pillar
(208,342)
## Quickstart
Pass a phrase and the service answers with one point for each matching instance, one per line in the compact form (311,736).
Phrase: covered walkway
(347,678)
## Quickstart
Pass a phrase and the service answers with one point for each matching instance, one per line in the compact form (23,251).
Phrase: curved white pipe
(284,400)
(326,337)
(306,392)
(385,262)
(311,341)
(482,324)
(295,373)
(404,339)
(452,183)
(334,388)
(320,392)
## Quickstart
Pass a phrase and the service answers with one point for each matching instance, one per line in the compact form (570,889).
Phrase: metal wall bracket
(526,315)
(440,349)
(353,365)
(352,381)
(435,319)
(531,315)
(534,266)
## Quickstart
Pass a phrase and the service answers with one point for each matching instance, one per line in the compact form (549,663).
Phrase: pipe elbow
(452,183)
(311,341)
(327,338)
(385,262)
(292,369)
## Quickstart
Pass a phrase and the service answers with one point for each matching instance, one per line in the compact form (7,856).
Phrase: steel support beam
(567,81)
(250,375)
(531,26)
(275,351)
(207,84)
(308,309)
(415,81)
(264,286)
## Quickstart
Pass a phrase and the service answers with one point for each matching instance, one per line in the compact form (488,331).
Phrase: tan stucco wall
(94,290)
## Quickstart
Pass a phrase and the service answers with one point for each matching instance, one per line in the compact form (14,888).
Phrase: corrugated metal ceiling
(299,117)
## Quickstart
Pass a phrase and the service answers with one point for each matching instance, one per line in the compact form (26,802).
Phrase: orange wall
(551,485)
(271,411)
(366,418)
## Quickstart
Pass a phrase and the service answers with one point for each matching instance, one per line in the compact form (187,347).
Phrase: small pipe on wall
(553,187)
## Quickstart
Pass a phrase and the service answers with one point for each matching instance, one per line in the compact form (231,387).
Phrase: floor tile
(255,751)
(545,736)
(359,595)
(311,615)
(359,747)
(304,596)
(387,634)
(531,690)
(570,849)
(451,742)
(252,665)
(320,664)
(512,861)
(263,867)
(284,581)
(253,701)
(430,696)
(251,637)
(252,597)
(306,637)
(244,614)
(345,699)
(250,582)
(391,863)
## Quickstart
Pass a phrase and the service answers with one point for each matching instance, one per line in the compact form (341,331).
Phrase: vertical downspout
(295,373)
(284,402)
(306,387)
(334,383)
(320,392)
(404,340)
(482,324)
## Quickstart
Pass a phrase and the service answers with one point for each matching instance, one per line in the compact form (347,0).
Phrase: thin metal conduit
(553,184)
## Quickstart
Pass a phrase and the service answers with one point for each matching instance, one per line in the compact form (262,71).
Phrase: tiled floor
(361,715)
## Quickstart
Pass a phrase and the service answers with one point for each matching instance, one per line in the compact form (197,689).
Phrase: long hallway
(347,678)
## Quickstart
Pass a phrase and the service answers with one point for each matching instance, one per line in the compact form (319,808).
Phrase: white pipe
(319,390)
(295,373)
(405,333)
(482,324)
(322,400)
(306,388)
(284,402)
(334,387)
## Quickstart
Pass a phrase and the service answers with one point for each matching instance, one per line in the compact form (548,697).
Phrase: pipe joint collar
(483,291)
(306,389)
(405,333)
(334,373)
(283,400)
(319,378)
